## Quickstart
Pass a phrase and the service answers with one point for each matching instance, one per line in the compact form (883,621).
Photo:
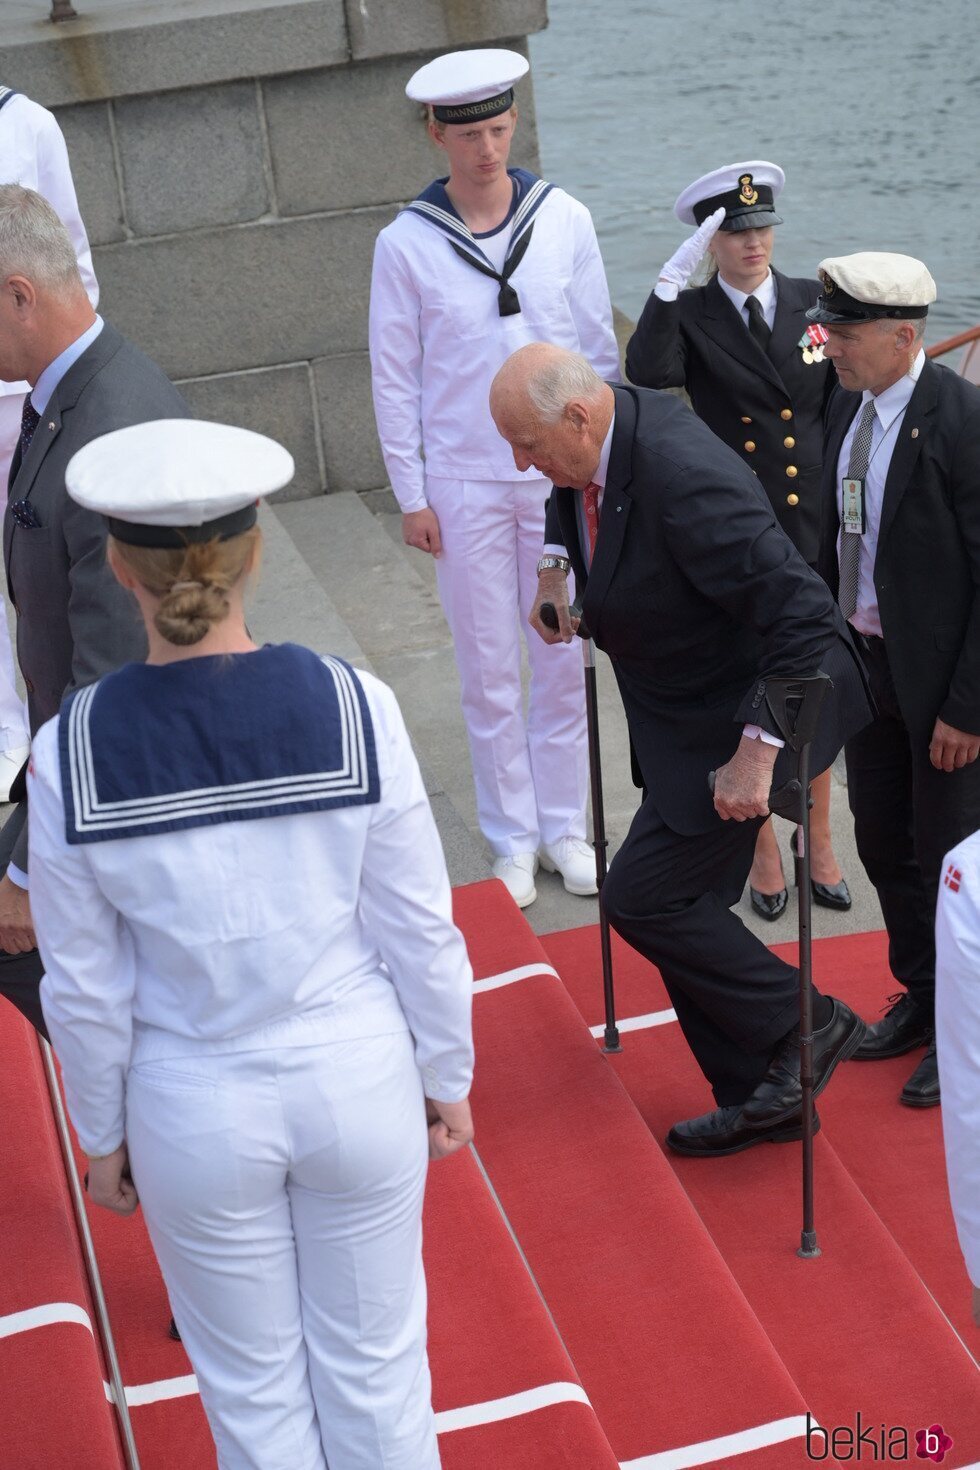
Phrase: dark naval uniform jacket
(927,562)
(699,598)
(766,406)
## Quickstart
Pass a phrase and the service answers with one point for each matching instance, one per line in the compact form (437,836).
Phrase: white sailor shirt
(437,340)
(216,926)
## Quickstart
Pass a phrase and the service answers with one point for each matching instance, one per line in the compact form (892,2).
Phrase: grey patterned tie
(850,541)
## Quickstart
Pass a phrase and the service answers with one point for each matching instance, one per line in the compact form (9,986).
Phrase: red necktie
(590,497)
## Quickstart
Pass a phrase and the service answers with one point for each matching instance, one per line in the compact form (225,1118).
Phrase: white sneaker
(516,873)
(10,763)
(574,860)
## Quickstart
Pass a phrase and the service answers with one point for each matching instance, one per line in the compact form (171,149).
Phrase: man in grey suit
(74,621)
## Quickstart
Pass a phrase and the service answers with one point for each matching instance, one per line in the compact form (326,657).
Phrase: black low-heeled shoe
(826,895)
(768,905)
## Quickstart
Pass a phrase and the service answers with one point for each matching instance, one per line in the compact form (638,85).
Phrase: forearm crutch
(549,617)
(794,705)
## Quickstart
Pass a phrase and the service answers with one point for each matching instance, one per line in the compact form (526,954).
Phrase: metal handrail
(951,343)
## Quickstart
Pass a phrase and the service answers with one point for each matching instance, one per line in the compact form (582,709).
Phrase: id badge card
(852,507)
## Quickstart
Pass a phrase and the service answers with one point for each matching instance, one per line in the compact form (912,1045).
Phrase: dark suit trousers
(907,815)
(670,897)
(20,974)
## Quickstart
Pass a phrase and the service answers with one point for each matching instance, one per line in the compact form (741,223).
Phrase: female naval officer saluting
(253,981)
(756,374)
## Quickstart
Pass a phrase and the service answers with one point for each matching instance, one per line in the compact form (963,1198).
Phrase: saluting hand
(420,528)
(450,1127)
(110,1184)
(679,269)
(950,749)
(742,786)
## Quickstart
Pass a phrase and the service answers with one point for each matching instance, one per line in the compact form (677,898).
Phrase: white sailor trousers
(531,772)
(282,1187)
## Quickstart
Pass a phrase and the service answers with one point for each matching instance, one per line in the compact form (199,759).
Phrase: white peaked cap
(732,188)
(176,472)
(878,278)
(461,78)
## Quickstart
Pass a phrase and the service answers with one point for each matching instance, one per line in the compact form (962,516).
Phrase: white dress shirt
(765,294)
(208,934)
(33,153)
(890,409)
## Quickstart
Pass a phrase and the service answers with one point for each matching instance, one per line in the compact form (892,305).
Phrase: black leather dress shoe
(724,1132)
(173,1331)
(905,1027)
(779,1095)
(768,905)
(922,1088)
(826,895)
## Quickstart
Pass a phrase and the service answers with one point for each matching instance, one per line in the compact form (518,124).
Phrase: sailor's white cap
(468,86)
(172,481)
(745,191)
(870,286)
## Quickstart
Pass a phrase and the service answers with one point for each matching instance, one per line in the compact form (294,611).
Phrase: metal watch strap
(554,563)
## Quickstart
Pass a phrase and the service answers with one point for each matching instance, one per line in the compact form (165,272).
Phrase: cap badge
(829,285)
(747,195)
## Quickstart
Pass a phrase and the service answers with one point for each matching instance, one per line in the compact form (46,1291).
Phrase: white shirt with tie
(765,294)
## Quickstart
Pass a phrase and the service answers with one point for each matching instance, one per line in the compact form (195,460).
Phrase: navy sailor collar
(435,207)
(229,738)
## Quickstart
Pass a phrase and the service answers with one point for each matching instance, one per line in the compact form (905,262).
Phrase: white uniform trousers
(282,1187)
(531,772)
(13,714)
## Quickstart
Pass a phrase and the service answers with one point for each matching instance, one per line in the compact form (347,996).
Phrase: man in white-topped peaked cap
(901,551)
(258,996)
(485,260)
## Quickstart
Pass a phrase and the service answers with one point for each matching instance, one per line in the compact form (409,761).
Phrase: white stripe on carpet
(777,1432)
(508,977)
(510,1407)
(47,1316)
(639,1023)
(163,1388)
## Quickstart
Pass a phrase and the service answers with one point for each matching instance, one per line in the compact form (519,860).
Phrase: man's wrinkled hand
(553,588)
(16,924)
(950,749)
(742,786)
(420,528)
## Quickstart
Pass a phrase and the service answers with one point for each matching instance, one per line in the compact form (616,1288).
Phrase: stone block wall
(234,169)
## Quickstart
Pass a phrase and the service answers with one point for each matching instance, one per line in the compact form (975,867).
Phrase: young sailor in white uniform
(958,1043)
(482,262)
(253,980)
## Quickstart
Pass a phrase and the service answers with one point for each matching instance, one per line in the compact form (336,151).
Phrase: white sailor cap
(746,192)
(173,481)
(870,286)
(468,86)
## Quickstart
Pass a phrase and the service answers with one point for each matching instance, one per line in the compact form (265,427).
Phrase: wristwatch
(554,564)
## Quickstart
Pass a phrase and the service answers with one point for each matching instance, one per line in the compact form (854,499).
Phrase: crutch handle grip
(784,802)
(548,614)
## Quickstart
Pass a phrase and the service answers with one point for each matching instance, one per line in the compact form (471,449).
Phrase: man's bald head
(554,410)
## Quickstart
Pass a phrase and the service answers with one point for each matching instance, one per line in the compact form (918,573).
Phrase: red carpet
(858,1329)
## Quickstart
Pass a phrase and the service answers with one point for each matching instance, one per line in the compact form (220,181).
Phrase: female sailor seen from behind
(253,981)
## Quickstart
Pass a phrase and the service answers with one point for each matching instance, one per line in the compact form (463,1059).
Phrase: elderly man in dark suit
(901,551)
(698,598)
(74,621)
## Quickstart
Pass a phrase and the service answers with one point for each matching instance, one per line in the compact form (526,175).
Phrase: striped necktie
(850,541)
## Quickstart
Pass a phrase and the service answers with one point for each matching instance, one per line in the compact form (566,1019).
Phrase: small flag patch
(953,878)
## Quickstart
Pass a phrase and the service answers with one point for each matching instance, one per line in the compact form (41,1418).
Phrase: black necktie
(507,300)
(758,327)
(29,421)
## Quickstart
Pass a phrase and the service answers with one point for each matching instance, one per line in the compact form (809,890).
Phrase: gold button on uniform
(792,500)
(792,471)
(750,446)
(789,442)
(746,421)
(785,414)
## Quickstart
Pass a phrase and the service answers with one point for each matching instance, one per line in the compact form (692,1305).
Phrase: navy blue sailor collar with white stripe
(220,738)
(435,207)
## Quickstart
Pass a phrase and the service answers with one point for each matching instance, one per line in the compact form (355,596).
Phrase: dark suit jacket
(698,598)
(74,622)
(700,342)
(927,565)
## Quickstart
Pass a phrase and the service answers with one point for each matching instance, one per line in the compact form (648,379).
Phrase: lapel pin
(915,433)
(52,426)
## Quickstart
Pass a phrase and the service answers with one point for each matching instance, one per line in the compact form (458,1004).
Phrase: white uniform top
(958,1038)
(209,933)
(437,340)
(33,153)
